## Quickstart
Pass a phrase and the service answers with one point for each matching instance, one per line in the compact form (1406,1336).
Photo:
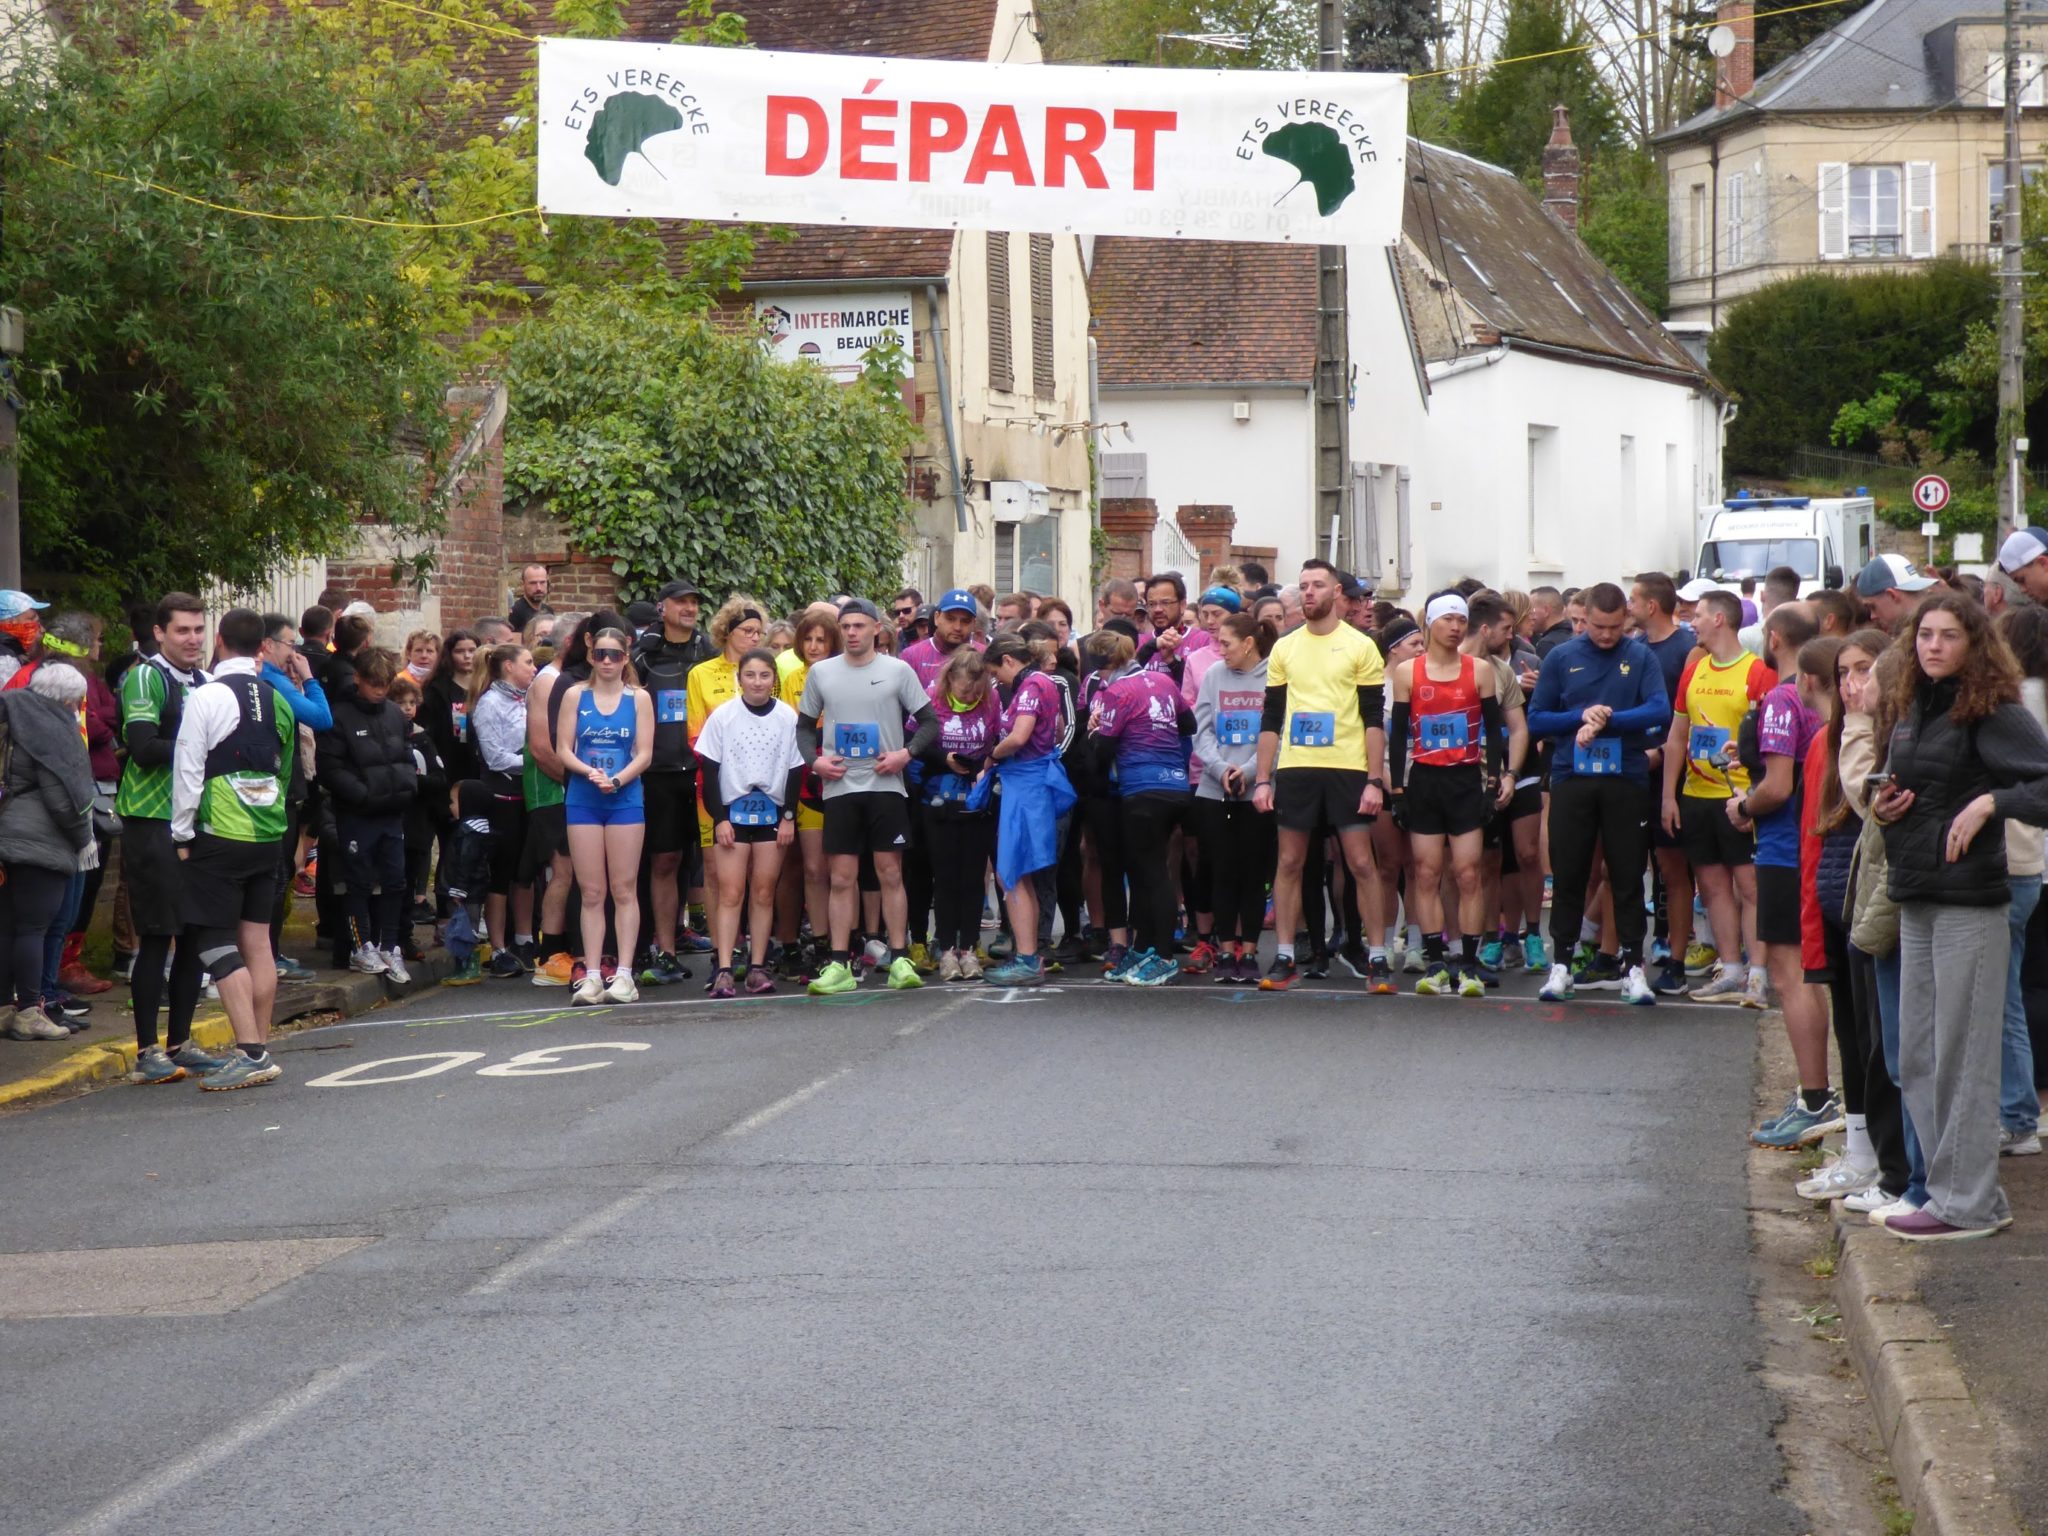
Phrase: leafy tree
(1281,34)
(668,442)
(1796,352)
(1396,36)
(1506,117)
(1624,218)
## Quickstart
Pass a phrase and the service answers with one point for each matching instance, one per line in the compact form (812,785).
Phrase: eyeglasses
(906,613)
(607,654)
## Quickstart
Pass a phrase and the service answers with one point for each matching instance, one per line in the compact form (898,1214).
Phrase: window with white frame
(1995,187)
(1876,210)
(2033,91)
(1737,220)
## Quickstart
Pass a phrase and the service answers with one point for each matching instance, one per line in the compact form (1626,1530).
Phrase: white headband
(1443,606)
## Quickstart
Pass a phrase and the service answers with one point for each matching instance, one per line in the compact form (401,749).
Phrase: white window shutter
(1834,210)
(1735,220)
(1920,208)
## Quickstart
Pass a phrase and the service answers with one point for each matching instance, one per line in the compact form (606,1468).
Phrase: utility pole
(1332,534)
(2012,333)
(11,343)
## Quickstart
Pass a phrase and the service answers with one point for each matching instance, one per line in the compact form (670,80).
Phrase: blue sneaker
(1800,1126)
(691,942)
(1535,957)
(1118,961)
(289,969)
(153,1066)
(1133,962)
(242,1072)
(1490,957)
(1155,971)
(196,1061)
(1019,971)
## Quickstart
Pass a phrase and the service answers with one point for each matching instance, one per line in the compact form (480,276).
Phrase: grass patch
(1810,1158)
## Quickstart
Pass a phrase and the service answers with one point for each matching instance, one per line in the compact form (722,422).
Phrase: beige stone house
(1878,145)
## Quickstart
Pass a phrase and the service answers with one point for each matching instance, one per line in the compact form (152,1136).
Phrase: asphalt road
(1087,1261)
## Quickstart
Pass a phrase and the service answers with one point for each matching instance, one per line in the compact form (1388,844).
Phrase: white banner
(652,130)
(835,330)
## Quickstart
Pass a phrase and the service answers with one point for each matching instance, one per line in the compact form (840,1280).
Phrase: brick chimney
(1561,171)
(1734,75)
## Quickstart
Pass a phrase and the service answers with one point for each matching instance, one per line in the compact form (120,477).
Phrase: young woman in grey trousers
(1964,756)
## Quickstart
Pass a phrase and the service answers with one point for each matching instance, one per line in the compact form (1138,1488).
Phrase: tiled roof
(1512,264)
(1203,312)
(843,253)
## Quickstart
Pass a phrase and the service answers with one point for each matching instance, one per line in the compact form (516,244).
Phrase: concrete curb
(1941,1446)
(342,992)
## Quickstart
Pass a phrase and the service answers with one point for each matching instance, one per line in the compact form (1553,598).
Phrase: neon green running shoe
(837,977)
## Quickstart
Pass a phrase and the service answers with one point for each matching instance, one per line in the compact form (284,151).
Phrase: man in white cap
(1689,597)
(1893,587)
(2024,557)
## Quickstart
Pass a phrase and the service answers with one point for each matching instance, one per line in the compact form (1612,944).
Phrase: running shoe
(394,966)
(242,1072)
(289,969)
(837,977)
(949,966)
(1488,975)
(153,1066)
(558,970)
(1865,1202)
(1381,975)
(1791,1103)
(1926,1227)
(970,965)
(1351,955)
(1700,959)
(1725,987)
(722,985)
(1469,984)
(690,942)
(1600,974)
(1891,1211)
(663,969)
(1229,971)
(1839,1180)
(1156,971)
(1017,971)
(505,966)
(467,974)
(589,992)
(302,882)
(197,1061)
(35,1024)
(760,981)
(1001,947)
(1317,965)
(622,988)
(72,1009)
(1436,982)
(1801,1127)
(1658,953)
(368,960)
(2018,1143)
(528,953)
(1490,957)
(1670,981)
(1757,992)
(1201,959)
(903,975)
(875,953)
(1117,959)
(1636,989)
(921,957)
(1412,960)
(1535,956)
(124,965)
(422,914)
(1280,975)
(1559,988)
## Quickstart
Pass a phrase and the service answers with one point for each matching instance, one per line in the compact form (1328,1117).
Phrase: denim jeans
(53,942)
(2019,1111)
(1888,1019)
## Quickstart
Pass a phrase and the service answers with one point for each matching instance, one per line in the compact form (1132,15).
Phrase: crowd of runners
(1824,803)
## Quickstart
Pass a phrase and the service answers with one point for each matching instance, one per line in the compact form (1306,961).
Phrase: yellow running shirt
(711,683)
(1713,699)
(1322,675)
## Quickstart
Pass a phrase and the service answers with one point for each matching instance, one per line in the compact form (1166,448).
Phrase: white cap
(1885,572)
(1696,589)
(2022,549)
(358,610)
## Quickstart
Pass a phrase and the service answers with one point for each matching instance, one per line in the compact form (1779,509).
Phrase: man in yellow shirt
(1322,751)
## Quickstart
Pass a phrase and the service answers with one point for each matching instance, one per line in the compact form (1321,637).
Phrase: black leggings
(30,901)
(1239,849)
(1615,813)
(960,849)
(1883,1111)
(1842,1003)
(1148,823)
(148,984)
(1106,831)
(374,850)
(920,872)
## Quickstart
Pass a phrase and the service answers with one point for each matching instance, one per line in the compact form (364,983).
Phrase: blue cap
(14,604)
(959,600)
(1222,597)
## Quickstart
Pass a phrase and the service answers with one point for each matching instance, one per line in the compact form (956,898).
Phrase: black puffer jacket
(366,761)
(1947,765)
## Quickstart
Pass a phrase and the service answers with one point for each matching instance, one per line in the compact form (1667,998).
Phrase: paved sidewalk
(35,1070)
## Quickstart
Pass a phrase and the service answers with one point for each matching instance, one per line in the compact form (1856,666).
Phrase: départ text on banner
(654,130)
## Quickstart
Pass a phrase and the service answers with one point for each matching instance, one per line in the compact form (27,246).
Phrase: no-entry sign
(670,131)
(1930,493)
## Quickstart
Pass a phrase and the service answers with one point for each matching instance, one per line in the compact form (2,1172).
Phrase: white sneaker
(589,991)
(394,966)
(1837,1181)
(368,960)
(623,988)
(2017,1144)
(1559,988)
(1411,961)
(876,953)
(1727,986)
(1887,1211)
(1865,1201)
(1757,992)
(1635,988)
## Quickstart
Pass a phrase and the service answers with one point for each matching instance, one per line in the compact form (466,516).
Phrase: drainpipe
(931,304)
(1714,236)
(1094,457)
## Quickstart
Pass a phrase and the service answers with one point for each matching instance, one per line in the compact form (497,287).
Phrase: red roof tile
(1203,312)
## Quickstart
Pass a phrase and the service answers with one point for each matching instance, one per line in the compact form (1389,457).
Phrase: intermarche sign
(669,131)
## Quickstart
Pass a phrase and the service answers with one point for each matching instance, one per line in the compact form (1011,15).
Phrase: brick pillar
(1127,524)
(470,578)
(1208,528)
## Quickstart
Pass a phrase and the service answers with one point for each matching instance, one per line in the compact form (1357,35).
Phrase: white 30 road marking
(541,1063)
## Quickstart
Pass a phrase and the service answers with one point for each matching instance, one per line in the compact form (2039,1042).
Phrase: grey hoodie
(1225,699)
(46,818)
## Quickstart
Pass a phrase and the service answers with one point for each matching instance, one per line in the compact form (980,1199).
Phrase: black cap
(925,611)
(1352,587)
(677,589)
(640,615)
(861,606)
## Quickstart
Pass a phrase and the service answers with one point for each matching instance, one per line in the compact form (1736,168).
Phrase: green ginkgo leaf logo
(1315,150)
(622,125)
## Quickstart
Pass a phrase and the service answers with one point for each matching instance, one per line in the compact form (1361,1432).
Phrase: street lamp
(1236,42)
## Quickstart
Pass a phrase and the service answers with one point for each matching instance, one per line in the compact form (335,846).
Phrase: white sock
(1589,932)
(1414,937)
(1858,1152)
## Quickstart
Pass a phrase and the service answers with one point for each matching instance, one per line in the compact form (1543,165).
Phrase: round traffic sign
(1930,493)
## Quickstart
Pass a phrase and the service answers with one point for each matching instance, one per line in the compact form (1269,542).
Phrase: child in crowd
(424,821)
(468,876)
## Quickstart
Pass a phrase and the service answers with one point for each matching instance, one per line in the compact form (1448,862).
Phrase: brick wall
(1208,528)
(576,581)
(1127,523)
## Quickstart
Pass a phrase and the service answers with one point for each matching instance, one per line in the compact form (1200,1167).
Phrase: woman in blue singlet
(606,740)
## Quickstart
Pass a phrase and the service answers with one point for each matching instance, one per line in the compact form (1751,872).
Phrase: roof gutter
(1213,386)
(1437,372)
(1692,379)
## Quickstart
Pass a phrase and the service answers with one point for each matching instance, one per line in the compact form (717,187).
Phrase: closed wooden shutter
(1041,317)
(1001,374)
(1920,208)
(1834,210)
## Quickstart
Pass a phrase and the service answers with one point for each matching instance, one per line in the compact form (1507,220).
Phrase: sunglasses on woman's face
(607,655)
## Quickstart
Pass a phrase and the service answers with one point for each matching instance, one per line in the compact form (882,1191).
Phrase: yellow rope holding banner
(143,183)
(1616,42)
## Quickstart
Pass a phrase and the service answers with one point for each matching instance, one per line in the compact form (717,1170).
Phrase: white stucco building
(1516,415)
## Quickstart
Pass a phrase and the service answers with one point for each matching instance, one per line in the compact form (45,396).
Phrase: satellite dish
(1721,42)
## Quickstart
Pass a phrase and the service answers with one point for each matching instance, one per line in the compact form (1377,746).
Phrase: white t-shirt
(752,751)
